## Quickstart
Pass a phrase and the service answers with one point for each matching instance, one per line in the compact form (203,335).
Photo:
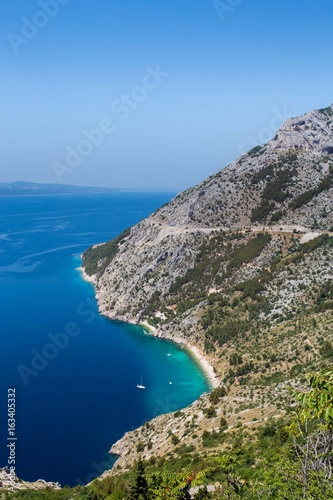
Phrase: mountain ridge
(261,197)
(239,266)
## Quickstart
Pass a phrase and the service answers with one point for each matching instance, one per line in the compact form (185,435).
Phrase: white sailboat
(140,386)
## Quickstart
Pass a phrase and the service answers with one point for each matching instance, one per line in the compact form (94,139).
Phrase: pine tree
(139,490)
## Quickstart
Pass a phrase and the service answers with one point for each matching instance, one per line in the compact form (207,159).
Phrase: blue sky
(153,94)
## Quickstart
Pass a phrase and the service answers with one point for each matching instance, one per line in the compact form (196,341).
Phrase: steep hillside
(241,267)
(285,184)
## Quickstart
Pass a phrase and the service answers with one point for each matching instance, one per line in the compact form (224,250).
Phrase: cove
(80,396)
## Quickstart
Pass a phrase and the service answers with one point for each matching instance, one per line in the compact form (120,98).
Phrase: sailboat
(140,386)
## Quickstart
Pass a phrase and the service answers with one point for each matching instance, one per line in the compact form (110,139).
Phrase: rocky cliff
(10,482)
(241,266)
(286,183)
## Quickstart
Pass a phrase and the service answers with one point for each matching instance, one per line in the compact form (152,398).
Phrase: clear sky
(153,93)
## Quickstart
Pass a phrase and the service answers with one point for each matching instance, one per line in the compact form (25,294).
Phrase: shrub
(210,412)
(174,439)
(96,259)
(140,447)
(217,394)
(223,424)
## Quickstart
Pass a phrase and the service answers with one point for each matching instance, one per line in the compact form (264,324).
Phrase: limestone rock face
(12,483)
(285,184)
(239,269)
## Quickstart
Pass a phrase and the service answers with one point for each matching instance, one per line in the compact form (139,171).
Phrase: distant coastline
(21,188)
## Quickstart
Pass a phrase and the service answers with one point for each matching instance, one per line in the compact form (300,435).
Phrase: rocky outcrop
(9,481)
(285,184)
(240,267)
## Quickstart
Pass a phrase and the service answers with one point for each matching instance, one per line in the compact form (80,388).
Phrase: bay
(75,372)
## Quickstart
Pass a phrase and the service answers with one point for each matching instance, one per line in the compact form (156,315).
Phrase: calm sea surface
(75,372)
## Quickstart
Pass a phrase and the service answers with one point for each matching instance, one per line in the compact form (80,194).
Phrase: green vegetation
(256,150)
(282,459)
(261,213)
(263,307)
(223,331)
(298,254)
(265,173)
(139,489)
(238,319)
(218,259)
(247,252)
(326,111)
(276,216)
(277,178)
(325,298)
(96,259)
(304,198)
(212,439)
(276,188)
(216,394)
(218,321)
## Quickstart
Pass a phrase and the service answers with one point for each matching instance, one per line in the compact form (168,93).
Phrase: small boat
(169,353)
(140,386)
(170,383)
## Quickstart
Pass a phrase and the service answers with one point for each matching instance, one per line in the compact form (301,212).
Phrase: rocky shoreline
(211,269)
(13,483)
(200,359)
(124,444)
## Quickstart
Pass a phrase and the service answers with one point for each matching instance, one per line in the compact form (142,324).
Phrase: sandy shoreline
(193,351)
(197,355)
(205,365)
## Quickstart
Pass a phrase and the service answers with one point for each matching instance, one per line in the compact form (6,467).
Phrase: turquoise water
(74,371)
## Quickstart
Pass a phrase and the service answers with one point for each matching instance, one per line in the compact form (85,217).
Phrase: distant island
(20,188)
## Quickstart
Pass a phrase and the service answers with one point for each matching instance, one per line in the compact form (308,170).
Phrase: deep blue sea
(74,371)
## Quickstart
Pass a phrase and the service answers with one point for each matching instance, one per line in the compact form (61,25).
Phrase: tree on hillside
(169,485)
(318,402)
(139,490)
(315,453)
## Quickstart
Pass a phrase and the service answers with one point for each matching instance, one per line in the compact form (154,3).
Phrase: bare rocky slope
(274,185)
(240,266)
(10,482)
